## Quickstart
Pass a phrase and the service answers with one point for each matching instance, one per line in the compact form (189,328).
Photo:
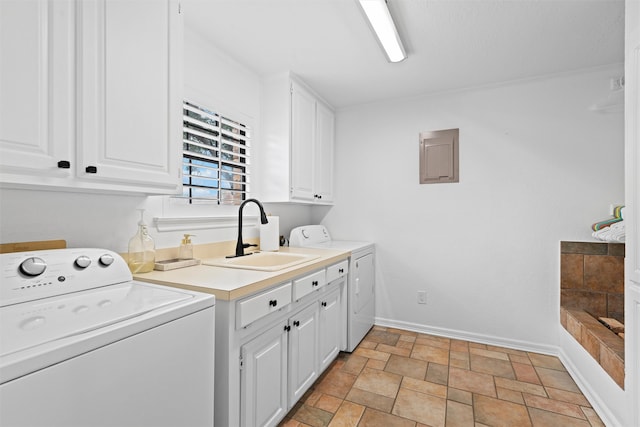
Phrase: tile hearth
(402,378)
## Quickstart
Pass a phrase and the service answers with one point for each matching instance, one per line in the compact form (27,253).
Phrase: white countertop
(233,283)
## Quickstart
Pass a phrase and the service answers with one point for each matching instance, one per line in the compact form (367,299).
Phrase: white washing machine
(81,344)
(360,290)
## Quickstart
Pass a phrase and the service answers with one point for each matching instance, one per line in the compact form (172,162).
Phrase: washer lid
(34,323)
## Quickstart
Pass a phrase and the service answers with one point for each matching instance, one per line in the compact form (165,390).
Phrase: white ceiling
(451,43)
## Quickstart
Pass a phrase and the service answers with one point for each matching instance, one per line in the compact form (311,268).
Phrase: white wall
(536,167)
(109,221)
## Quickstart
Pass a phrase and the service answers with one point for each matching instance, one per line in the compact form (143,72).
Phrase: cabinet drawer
(253,308)
(337,271)
(308,284)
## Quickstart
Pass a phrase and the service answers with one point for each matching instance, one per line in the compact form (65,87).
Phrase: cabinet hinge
(241,363)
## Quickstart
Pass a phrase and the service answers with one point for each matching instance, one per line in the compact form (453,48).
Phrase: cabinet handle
(314,283)
(324,304)
(287,328)
(296,323)
(64,164)
(273,303)
(91,169)
(341,270)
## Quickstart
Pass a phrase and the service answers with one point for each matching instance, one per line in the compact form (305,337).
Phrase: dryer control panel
(308,235)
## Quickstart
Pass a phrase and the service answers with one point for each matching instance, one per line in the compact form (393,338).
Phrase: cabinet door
(263,380)
(130,102)
(36,89)
(303,119)
(303,345)
(323,177)
(330,322)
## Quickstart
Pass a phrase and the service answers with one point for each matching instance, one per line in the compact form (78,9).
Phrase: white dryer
(360,290)
(81,344)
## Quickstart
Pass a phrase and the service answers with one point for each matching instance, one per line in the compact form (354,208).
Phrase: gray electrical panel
(439,156)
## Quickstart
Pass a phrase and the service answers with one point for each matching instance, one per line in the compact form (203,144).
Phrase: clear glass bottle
(142,250)
(186,248)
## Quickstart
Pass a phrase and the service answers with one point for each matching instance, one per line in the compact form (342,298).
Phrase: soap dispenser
(142,251)
(186,248)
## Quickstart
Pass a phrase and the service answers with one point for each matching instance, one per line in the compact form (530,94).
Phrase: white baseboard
(596,385)
(470,336)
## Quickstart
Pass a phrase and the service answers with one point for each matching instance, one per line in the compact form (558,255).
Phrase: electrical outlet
(422,297)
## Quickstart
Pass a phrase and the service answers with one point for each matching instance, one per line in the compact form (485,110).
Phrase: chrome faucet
(240,246)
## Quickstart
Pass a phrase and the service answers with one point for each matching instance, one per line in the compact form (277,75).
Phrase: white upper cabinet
(303,127)
(297,154)
(93,95)
(325,134)
(36,89)
(128,101)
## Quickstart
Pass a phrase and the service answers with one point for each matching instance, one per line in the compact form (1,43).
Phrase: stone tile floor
(402,378)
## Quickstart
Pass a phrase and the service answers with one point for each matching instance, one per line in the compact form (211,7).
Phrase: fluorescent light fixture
(382,24)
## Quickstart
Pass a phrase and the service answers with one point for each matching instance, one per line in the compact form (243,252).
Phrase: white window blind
(215,157)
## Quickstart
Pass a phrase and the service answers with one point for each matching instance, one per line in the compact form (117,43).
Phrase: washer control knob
(33,266)
(106,260)
(83,261)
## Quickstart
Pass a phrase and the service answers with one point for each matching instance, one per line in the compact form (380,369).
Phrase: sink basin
(263,261)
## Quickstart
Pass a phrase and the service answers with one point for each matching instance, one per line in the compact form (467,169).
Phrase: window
(215,157)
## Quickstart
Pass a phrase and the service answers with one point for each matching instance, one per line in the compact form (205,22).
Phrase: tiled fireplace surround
(592,286)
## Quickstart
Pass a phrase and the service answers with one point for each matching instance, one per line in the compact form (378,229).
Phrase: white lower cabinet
(268,361)
(331,322)
(264,378)
(278,367)
(303,352)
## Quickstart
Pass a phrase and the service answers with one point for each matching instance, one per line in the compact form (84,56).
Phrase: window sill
(164,224)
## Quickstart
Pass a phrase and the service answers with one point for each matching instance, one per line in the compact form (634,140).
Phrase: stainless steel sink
(262,261)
